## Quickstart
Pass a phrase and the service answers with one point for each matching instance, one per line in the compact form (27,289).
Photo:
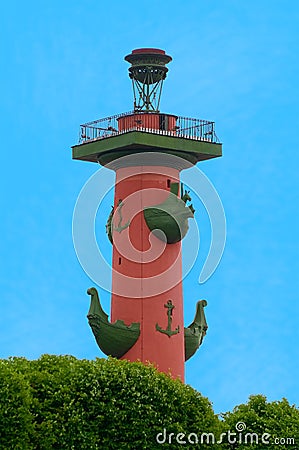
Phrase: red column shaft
(146,271)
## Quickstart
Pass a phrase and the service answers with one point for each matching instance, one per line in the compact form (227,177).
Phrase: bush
(59,402)
(15,401)
(277,421)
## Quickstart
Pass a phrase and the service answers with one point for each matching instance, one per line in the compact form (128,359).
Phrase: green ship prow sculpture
(170,218)
(114,339)
(196,331)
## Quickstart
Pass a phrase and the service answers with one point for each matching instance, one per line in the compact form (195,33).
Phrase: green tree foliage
(60,402)
(15,401)
(277,421)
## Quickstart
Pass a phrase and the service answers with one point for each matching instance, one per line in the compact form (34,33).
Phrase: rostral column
(147,150)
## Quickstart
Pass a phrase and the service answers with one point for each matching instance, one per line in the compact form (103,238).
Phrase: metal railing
(187,128)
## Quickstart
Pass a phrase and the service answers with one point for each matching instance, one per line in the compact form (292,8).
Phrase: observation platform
(105,140)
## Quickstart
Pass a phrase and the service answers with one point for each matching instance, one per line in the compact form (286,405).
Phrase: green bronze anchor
(120,227)
(168,330)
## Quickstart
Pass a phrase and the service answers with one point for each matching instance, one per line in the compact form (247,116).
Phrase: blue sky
(233,62)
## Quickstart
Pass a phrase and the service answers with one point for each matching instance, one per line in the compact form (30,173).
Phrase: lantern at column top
(148,71)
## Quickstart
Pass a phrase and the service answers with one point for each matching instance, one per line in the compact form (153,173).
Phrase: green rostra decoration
(109,225)
(114,339)
(170,218)
(196,331)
